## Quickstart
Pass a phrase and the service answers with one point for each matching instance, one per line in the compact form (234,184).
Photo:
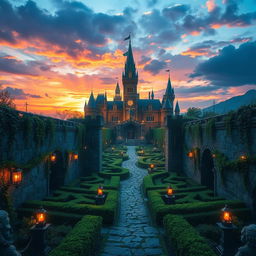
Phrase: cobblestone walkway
(134,234)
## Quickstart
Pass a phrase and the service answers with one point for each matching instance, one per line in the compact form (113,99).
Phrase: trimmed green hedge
(184,238)
(83,239)
(159,209)
(107,211)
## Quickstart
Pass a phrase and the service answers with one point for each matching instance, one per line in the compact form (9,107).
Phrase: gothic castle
(132,116)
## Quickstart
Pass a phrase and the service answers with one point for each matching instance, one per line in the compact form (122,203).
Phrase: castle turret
(169,94)
(91,109)
(152,94)
(166,110)
(117,93)
(177,109)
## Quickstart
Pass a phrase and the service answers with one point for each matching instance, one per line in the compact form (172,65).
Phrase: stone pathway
(133,234)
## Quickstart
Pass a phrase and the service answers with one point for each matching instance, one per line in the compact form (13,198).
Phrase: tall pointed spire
(169,94)
(152,94)
(177,109)
(169,87)
(117,93)
(130,68)
(91,102)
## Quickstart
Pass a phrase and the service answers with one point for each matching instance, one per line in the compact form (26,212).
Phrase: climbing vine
(33,162)
(242,118)
(80,135)
(241,166)
(158,136)
(210,128)
(197,134)
(50,130)
(196,159)
(228,122)
(9,124)
(27,126)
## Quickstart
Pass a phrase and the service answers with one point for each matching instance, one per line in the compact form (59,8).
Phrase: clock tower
(130,82)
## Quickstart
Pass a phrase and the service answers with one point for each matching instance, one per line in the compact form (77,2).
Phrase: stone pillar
(91,160)
(174,143)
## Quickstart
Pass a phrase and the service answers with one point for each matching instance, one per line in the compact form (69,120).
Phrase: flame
(227,217)
(100,191)
(169,191)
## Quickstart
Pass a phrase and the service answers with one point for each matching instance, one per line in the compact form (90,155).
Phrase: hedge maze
(194,205)
(70,204)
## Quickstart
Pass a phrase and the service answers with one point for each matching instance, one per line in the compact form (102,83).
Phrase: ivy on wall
(33,128)
(32,163)
(242,118)
(241,166)
(158,136)
(195,130)
(107,136)
(9,124)
(210,129)
(80,135)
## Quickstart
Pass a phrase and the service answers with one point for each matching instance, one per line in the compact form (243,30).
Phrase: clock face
(130,103)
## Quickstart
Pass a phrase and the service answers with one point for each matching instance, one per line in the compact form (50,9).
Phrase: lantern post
(53,157)
(75,156)
(151,168)
(38,245)
(227,246)
(169,197)
(100,197)
(16,177)
(190,154)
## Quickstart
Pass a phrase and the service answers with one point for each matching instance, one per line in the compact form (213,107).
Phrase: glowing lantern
(142,152)
(151,166)
(213,155)
(53,157)
(243,157)
(100,191)
(75,156)
(16,177)
(41,215)
(226,216)
(169,191)
(190,154)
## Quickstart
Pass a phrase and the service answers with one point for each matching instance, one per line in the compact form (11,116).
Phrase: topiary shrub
(184,238)
(82,239)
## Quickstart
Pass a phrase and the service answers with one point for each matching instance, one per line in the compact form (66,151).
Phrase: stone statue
(6,243)
(248,236)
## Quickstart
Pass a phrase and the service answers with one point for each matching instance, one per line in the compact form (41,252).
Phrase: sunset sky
(53,53)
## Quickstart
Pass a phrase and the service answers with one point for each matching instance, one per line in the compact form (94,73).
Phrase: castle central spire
(130,68)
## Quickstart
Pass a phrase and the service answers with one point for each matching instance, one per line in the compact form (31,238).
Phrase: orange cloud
(210,4)
(195,33)
(216,26)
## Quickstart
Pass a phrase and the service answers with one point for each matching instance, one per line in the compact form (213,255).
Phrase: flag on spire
(128,37)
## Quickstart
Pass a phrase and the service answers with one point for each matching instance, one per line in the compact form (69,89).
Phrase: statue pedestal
(38,246)
(227,246)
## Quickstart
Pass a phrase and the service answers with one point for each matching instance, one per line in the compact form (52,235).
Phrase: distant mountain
(233,103)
